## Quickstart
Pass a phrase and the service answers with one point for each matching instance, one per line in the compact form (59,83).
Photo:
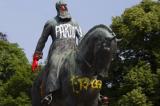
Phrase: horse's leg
(92,103)
(69,101)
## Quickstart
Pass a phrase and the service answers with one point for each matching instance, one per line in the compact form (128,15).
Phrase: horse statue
(79,85)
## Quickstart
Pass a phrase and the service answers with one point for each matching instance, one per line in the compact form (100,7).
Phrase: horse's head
(96,49)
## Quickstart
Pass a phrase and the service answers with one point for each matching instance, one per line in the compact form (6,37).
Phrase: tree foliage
(134,98)
(3,37)
(135,70)
(15,76)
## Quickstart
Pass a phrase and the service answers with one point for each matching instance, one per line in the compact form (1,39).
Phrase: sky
(23,20)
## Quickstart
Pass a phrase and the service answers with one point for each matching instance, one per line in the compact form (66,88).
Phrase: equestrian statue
(74,62)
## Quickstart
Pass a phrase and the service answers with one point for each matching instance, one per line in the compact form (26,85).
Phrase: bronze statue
(69,77)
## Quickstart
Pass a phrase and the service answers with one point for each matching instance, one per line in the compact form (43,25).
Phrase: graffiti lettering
(65,31)
(84,83)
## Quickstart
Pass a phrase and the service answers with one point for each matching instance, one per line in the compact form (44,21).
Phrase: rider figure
(65,34)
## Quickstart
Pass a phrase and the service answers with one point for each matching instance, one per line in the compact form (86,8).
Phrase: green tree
(137,62)
(134,98)
(15,76)
(3,36)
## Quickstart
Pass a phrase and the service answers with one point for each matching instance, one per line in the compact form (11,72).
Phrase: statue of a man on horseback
(70,76)
(65,34)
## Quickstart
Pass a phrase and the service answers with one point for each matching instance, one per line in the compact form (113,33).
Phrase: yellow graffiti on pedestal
(84,83)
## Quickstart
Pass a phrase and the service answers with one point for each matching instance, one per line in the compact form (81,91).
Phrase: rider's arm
(40,45)
(44,36)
